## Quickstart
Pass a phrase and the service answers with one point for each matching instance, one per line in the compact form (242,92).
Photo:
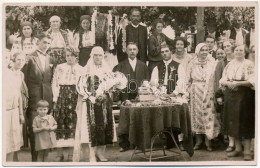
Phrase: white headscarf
(198,48)
(91,68)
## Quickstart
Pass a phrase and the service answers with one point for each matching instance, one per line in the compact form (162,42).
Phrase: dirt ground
(113,155)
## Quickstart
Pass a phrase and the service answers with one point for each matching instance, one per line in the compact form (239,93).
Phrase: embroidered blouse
(87,39)
(28,46)
(65,75)
(238,71)
(57,40)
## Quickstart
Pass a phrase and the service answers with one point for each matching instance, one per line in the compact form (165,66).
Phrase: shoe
(123,149)
(181,147)
(247,157)
(92,159)
(197,147)
(234,154)
(209,149)
(101,158)
(60,158)
(230,149)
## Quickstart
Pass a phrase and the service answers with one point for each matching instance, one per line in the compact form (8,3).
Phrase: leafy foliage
(183,17)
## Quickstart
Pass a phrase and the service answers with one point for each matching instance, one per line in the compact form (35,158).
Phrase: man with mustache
(135,32)
(250,37)
(237,33)
(136,72)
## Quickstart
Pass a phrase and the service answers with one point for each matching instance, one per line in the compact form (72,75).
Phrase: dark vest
(133,87)
(172,72)
(248,39)
(233,33)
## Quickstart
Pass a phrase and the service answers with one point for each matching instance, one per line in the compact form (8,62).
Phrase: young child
(43,127)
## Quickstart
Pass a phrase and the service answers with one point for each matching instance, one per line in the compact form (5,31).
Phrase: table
(142,123)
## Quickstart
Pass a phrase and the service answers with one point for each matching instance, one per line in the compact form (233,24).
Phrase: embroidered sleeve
(181,84)
(155,77)
(82,86)
(55,83)
(76,41)
(224,77)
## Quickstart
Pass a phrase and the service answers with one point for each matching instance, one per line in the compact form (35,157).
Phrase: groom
(38,75)
(136,72)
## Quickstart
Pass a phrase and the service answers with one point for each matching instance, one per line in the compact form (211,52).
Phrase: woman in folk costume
(239,102)
(84,39)
(60,40)
(65,96)
(14,112)
(95,122)
(200,73)
(25,42)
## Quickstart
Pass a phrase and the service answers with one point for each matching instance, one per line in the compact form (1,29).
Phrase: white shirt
(239,37)
(42,60)
(252,37)
(155,74)
(132,63)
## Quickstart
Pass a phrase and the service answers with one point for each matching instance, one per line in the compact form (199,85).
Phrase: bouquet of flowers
(110,81)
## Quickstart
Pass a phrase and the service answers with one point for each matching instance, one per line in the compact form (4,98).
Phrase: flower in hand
(92,99)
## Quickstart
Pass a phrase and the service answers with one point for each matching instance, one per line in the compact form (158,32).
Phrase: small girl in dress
(43,127)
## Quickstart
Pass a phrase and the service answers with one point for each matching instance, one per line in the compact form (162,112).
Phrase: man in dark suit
(237,33)
(137,33)
(38,75)
(136,72)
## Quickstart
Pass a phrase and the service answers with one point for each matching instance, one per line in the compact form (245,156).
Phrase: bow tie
(44,54)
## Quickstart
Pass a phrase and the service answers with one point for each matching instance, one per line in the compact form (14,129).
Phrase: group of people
(50,87)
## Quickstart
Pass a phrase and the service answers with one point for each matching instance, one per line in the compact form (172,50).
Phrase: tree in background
(180,18)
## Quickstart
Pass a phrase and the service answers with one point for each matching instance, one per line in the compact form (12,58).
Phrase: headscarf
(85,17)
(198,48)
(93,69)
(55,18)
(73,51)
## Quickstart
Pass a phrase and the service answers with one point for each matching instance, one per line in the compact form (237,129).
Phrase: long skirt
(84,55)
(65,115)
(239,112)
(203,116)
(100,122)
(14,135)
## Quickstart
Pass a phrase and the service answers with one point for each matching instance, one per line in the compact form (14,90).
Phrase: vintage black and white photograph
(129,83)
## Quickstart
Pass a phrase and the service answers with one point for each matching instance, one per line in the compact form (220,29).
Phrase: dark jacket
(137,35)
(38,81)
(139,75)
(154,48)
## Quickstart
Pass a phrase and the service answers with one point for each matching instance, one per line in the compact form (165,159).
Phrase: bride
(95,121)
